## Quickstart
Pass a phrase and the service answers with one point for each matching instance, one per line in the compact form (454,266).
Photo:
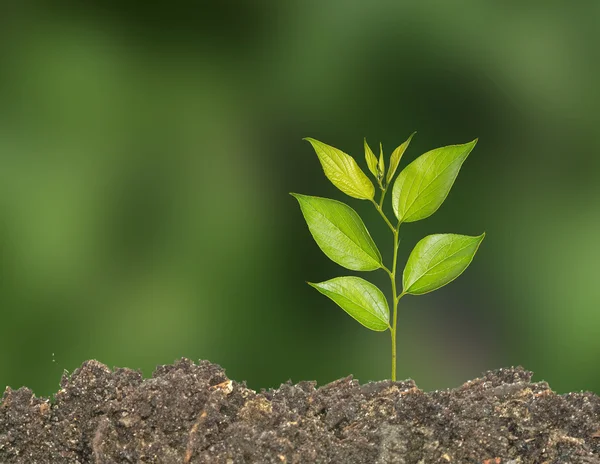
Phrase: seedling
(418,192)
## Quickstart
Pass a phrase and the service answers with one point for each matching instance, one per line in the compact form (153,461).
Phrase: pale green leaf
(360,299)
(343,172)
(340,233)
(371,160)
(396,157)
(424,184)
(437,260)
(381,165)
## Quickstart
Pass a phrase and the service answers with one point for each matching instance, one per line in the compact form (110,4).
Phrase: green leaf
(360,299)
(343,172)
(437,260)
(371,160)
(396,157)
(381,165)
(340,233)
(424,184)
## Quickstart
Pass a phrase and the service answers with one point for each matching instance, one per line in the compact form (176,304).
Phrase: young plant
(417,193)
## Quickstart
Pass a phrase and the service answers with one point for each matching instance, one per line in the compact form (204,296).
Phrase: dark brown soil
(188,413)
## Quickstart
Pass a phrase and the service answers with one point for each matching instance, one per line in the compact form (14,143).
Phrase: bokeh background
(147,152)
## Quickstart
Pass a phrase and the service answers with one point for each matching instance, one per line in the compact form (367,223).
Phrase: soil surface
(192,413)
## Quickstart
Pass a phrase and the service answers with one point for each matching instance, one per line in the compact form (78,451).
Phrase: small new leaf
(424,184)
(340,233)
(396,157)
(437,260)
(343,172)
(371,160)
(381,165)
(360,299)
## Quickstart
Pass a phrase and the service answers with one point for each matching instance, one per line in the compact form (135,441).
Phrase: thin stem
(392,274)
(380,210)
(393,331)
(386,270)
(395,300)
(384,191)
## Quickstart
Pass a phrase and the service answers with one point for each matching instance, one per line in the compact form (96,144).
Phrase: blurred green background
(147,152)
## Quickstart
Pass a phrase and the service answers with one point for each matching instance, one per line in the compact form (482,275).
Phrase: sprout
(418,192)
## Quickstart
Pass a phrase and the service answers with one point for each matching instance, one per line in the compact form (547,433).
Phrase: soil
(192,413)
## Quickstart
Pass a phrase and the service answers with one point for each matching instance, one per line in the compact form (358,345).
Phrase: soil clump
(192,413)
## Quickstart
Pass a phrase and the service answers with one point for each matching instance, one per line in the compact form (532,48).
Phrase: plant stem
(383,192)
(380,210)
(392,274)
(396,299)
(386,270)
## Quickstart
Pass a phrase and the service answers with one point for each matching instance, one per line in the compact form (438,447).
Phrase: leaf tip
(298,196)
(479,239)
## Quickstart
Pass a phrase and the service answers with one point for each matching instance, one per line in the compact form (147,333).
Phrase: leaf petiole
(386,270)
(380,210)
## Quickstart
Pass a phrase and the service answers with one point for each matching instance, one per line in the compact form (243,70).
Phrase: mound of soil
(192,413)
